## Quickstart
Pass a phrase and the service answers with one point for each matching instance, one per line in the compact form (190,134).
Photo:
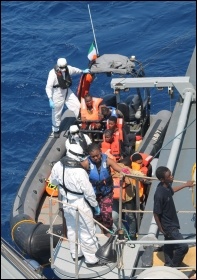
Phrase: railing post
(51,231)
(76,244)
(64,227)
(137,204)
(120,204)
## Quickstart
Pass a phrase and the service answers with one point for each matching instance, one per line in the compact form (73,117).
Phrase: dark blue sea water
(35,34)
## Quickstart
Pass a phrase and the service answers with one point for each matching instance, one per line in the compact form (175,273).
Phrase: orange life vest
(128,190)
(146,161)
(114,148)
(118,135)
(84,85)
(94,114)
(108,153)
(135,166)
(116,190)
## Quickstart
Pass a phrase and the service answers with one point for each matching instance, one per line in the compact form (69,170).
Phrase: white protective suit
(77,180)
(61,97)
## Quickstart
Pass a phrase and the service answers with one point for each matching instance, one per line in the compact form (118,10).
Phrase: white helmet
(74,129)
(76,152)
(61,62)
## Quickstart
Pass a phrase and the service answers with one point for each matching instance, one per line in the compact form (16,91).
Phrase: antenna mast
(93,31)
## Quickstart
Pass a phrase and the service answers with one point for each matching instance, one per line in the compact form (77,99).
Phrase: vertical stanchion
(120,204)
(51,231)
(62,213)
(137,204)
(76,244)
(120,231)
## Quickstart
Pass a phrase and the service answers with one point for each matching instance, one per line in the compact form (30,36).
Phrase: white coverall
(59,98)
(76,137)
(77,180)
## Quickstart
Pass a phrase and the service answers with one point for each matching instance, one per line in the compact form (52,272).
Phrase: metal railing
(118,242)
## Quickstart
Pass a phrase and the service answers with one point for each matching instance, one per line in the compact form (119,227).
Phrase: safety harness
(63,84)
(66,161)
(103,187)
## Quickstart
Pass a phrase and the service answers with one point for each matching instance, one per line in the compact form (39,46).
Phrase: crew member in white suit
(77,137)
(59,92)
(76,190)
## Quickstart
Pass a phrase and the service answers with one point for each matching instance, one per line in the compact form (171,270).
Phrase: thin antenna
(93,31)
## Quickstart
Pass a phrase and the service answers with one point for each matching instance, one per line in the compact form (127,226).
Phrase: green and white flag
(92,52)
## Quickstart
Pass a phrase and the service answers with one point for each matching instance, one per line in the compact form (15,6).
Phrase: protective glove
(86,71)
(97,211)
(125,170)
(51,103)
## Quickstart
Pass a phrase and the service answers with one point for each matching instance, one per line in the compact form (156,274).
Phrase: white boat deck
(64,266)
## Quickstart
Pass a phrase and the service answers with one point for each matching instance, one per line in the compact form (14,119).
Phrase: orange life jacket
(144,169)
(146,159)
(135,166)
(116,190)
(114,148)
(94,114)
(128,190)
(118,135)
(108,153)
(84,85)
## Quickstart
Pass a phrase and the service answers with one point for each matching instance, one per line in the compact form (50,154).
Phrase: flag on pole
(92,52)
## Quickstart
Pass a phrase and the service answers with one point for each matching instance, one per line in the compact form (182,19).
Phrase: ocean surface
(161,34)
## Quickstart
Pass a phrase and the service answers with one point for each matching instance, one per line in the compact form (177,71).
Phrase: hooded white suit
(77,180)
(61,96)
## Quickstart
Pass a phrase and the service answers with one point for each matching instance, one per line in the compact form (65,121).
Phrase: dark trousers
(174,253)
(130,217)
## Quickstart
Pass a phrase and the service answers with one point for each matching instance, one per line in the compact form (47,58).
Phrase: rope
(173,138)
(66,239)
(151,178)
(150,211)
(64,203)
(21,222)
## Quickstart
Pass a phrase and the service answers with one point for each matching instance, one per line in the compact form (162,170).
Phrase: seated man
(77,137)
(90,112)
(107,111)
